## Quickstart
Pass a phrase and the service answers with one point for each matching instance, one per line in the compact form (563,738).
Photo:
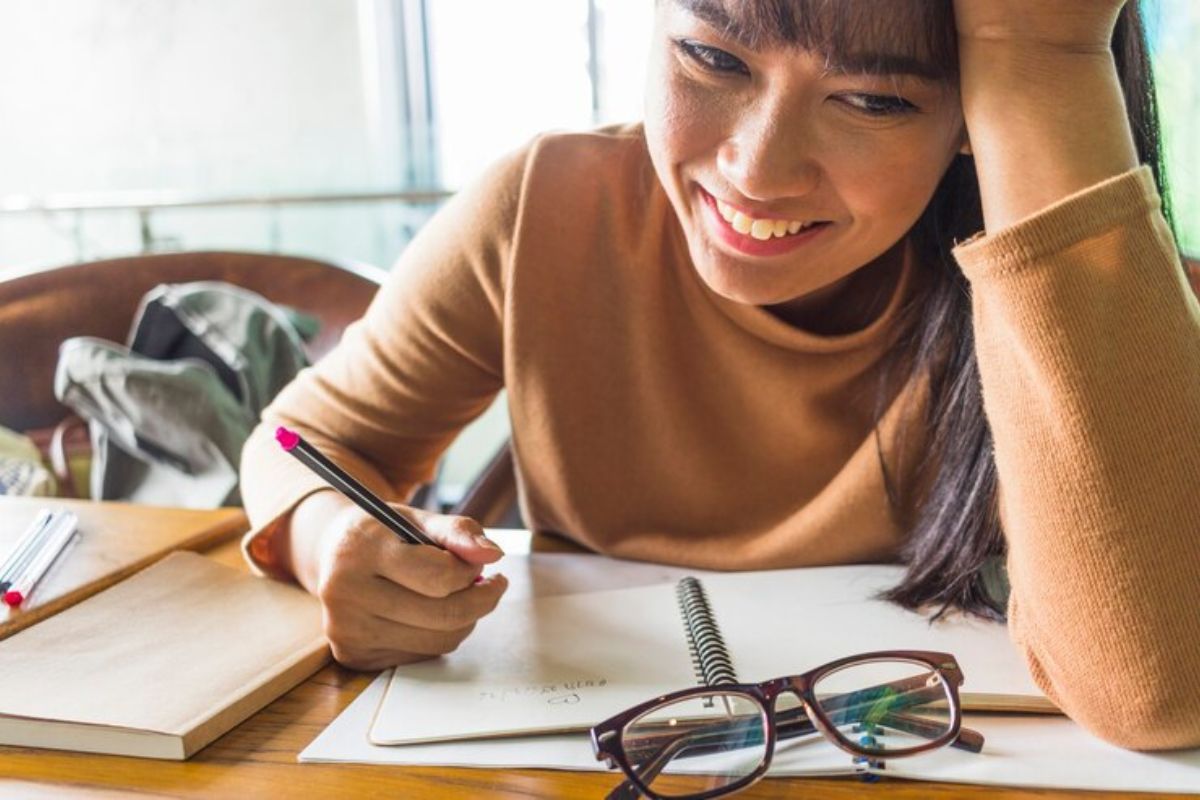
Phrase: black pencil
(360,495)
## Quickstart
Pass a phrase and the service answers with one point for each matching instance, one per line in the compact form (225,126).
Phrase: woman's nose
(767,157)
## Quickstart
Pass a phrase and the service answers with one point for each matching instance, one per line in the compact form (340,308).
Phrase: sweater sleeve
(425,360)
(1088,342)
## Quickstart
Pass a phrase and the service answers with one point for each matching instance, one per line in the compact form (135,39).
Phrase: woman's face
(788,174)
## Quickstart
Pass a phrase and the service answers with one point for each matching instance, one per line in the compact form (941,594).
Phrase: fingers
(462,536)
(418,627)
(362,638)
(387,602)
(363,545)
(430,571)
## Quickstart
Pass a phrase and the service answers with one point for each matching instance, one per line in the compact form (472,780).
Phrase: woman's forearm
(1044,123)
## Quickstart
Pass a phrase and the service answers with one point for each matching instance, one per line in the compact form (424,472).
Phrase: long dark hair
(948,505)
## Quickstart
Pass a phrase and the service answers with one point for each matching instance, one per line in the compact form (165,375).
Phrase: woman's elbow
(1141,718)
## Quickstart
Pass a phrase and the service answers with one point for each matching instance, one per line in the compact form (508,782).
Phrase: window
(1174,27)
(503,72)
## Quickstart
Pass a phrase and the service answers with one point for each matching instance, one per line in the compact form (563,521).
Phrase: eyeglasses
(709,741)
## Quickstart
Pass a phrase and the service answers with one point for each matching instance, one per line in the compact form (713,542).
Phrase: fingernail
(478,579)
(483,541)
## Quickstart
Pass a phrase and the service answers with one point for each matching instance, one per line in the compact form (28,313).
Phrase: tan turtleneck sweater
(653,419)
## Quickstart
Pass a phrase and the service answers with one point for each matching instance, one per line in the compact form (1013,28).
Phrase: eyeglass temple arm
(705,736)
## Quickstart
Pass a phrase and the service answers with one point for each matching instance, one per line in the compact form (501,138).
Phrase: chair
(39,310)
(491,499)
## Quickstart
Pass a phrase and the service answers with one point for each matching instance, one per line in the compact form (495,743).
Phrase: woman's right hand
(384,601)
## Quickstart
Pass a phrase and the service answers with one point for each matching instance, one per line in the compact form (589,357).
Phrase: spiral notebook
(562,664)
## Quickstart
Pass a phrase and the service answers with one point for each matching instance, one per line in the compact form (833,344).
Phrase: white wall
(226,97)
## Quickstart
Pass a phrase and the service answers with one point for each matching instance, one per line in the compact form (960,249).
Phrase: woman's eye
(711,58)
(878,105)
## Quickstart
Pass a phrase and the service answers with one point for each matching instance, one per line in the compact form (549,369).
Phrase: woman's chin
(765,282)
(740,285)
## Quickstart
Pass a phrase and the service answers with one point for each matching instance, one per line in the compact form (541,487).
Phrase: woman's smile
(754,235)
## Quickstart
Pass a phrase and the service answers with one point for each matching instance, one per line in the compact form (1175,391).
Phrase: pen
(363,497)
(25,549)
(57,534)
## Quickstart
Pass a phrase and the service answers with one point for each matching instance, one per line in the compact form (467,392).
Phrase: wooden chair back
(39,310)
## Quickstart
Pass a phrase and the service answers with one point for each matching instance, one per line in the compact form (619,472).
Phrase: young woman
(873,282)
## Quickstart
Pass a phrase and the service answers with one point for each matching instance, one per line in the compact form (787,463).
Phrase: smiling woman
(793,120)
(872,282)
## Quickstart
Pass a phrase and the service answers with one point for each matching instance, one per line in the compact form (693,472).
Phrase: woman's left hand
(1057,25)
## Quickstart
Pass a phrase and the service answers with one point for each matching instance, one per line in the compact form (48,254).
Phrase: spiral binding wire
(709,656)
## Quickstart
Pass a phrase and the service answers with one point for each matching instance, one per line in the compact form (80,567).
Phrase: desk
(258,759)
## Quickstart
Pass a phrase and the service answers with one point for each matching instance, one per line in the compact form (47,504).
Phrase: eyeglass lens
(709,741)
(885,707)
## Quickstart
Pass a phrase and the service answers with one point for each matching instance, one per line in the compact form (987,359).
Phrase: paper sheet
(1020,751)
(561,664)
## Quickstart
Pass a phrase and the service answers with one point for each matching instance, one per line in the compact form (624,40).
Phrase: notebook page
(534,666)
(569,662)
(781,622)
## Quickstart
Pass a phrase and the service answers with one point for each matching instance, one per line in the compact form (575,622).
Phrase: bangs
(855,36)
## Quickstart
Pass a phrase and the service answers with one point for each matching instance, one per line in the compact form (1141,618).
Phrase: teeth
(761,229)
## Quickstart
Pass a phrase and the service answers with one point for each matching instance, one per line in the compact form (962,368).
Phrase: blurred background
(327,128)
(333,128)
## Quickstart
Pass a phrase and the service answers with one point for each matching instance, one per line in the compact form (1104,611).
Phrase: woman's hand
(1069,26)
(1042,101)
(384,601)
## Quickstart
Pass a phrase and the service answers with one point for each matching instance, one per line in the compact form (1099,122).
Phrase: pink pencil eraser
(287,439)
(13,598)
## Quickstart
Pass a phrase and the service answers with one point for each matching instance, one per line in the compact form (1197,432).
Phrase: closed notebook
(562,664)
(160,664)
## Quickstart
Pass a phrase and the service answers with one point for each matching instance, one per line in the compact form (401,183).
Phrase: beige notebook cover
(160,664)
(561,664)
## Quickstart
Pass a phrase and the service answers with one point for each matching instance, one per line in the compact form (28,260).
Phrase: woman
(738,338)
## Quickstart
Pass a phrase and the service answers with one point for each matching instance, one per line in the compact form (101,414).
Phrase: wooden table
(258,759)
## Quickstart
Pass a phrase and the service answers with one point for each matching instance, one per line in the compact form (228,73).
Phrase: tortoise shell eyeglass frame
(810,717)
